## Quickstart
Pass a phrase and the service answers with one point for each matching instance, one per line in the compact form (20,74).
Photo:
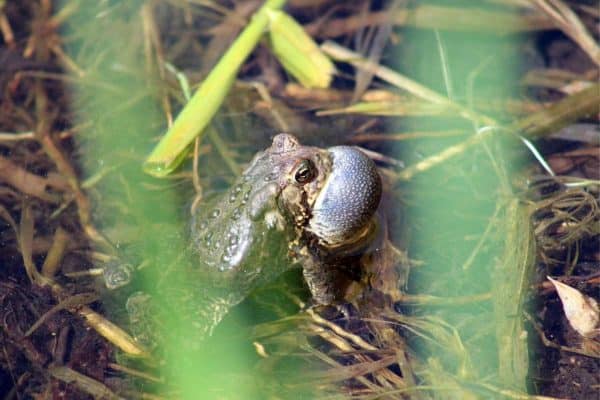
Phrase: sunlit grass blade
(297,52)
(203,105)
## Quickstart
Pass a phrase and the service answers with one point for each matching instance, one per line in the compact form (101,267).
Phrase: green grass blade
(298,53)
(203,105)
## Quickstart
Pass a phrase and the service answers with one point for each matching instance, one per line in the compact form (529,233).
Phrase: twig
(6,30)
(85,383)
(26,182)
(341,332)
(17,136)
(436,17)
(56,253)
(69,302)
(428,300)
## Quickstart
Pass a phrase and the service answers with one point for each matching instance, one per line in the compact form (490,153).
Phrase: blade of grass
(560,114)
(297,52)
(344,54)
(198,112)
(409,107)
(537,125)
(510,291)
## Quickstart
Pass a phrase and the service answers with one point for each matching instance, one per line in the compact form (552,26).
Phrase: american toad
(293,206)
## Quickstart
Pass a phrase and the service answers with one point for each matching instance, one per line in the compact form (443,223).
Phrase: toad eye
(306,172)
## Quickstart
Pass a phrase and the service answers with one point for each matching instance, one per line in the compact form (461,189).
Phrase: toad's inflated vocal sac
(293,205)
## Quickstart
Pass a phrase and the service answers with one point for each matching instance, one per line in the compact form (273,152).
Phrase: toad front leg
(328,284)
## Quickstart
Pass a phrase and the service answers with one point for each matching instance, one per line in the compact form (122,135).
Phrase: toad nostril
(349,198)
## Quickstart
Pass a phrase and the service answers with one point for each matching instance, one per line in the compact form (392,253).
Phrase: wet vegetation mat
(126,124)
